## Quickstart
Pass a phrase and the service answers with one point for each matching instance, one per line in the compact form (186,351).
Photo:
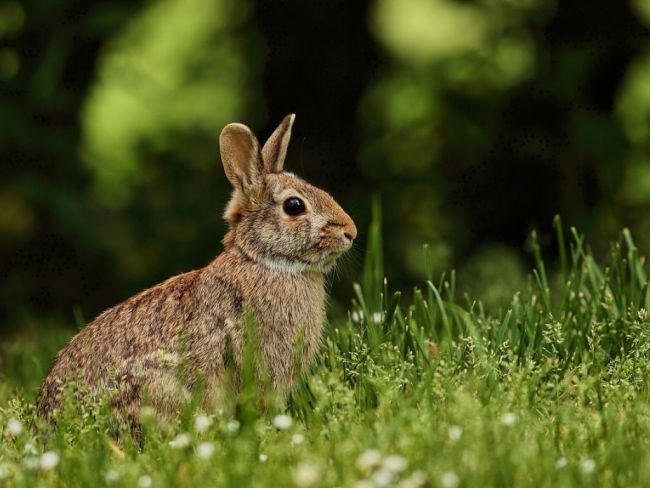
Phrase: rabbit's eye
(293,206)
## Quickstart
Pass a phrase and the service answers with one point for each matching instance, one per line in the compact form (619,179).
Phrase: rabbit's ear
(275,149)
(241,157)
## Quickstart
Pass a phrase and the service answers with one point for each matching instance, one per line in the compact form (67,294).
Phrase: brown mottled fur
(161,341)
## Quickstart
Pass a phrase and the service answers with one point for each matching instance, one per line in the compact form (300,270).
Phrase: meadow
(425,388)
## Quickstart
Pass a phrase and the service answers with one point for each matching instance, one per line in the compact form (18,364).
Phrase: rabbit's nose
(350,230)
(347,228)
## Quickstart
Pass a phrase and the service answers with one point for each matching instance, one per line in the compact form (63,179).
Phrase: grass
(553,391)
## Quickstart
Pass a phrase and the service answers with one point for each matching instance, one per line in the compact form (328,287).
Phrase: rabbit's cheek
(293,225)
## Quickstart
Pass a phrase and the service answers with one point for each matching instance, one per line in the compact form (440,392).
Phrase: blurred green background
(475,121)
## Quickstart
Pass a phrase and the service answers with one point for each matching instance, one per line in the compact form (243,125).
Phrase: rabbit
(283,237)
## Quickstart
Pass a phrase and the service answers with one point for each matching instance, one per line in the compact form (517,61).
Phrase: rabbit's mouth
(325,252)
(328,260)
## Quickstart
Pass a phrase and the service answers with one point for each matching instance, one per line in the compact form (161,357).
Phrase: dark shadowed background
(474,121)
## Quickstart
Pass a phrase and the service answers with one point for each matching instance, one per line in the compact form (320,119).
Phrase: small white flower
(297,439)
(395,463)
(29,448)
(111,476)
(49,460)
(369,459)
(383,478)
(416,480)
(205,450)
(454,432)
(264,458)
(232,426)
(144,481)
(587,466)
(4,471)
(509,419)
(14,427)
(31,462)
(202,423)
(364,484)
(357,316)
(181,441)
(377,318)
(561,463)
(305,474)
(282,422)
(449,480)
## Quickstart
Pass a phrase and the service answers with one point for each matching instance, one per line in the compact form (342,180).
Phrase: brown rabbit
(284,236)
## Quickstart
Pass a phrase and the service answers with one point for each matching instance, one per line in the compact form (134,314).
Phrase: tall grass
(552,391)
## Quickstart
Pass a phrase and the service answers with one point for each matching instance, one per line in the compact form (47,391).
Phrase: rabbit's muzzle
(337,236)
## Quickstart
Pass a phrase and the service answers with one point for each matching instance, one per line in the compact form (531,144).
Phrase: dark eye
(293,206)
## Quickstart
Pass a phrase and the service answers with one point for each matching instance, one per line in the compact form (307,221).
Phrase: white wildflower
(416,480)
(111,476)
(561,463)
(181,441)
(297,439)
(449,480)
(232,426)
(377,318)
(14,427)
(394,463)
(205,450)
(587,466)
(144,481)
(29,448)
(49,460)
(305,474)
(368,459)
(202,423)
(282,422)
(357,316)
(509,419)
(264,458)
(383,478)
(364,484)
(31,462)
(454,432)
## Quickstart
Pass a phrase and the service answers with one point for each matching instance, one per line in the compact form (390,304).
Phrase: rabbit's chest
(290,316)
(290,306)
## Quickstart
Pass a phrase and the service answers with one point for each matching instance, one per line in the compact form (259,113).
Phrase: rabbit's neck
(275,263)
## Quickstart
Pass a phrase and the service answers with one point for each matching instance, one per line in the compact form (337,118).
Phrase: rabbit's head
(274,217)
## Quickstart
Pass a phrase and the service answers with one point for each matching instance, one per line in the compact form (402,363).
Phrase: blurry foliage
(490,116)
(633,110)
(109,131)
(496,272)
(474,121)
(445,57)
(167,83)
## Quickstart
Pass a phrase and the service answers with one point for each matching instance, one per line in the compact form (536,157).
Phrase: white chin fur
(296,267)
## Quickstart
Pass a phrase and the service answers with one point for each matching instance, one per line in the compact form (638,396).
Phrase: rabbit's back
(132,343)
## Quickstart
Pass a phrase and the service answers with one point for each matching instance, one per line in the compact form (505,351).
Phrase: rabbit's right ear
(241,157)
(275,149)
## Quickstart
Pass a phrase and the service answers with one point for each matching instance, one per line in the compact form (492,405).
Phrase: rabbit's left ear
(275,149)
(241,157)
